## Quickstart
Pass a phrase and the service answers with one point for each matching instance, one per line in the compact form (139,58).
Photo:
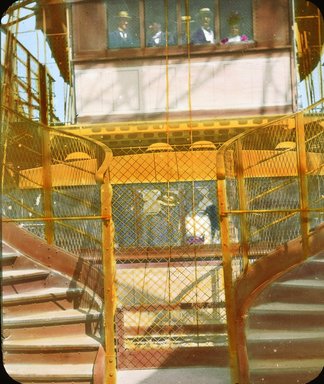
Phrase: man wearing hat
(120,38)
(157,37)
(204,34)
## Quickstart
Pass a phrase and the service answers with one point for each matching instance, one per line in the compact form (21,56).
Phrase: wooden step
(298,291)
(46,319)
(51,350)
(302,344)
(73,348)
(290,308)
(7,248)
(8,258)
(40,295)
(270,336)
(284,371)
(301,283)
(286,364)
(50,372)
(313,268)
(16,276)
(281,315)
(59,343)
(91,328)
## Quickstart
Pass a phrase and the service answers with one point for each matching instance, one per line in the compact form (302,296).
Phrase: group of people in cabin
(121,37)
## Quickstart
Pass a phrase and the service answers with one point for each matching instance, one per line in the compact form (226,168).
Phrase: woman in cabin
(235,35)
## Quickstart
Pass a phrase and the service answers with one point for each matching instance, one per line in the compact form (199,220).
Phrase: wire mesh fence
(270,190)
(50,188)
(273,182)
(170,309)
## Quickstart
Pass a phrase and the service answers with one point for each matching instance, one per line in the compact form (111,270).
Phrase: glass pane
(160,23)
(201,22)
(236,21)
(123,24)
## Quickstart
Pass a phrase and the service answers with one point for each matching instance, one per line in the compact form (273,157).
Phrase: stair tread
(317,259)
(57,316)
(50,293)
(309,283)
(283,335)
(294,364)
(23,272)
(59,342)
(49,370)
(9,255)
(8,249)
(288,307)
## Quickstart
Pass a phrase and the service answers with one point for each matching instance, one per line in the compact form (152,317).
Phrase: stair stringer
(52,257)
(261,275)
(79,272)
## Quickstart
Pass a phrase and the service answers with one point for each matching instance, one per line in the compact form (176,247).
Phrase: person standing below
(121,38)
(204,34)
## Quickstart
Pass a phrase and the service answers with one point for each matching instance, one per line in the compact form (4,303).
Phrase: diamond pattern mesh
(264,185)
(167,245)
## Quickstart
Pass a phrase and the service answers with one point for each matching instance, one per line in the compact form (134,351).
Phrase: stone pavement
(175,376)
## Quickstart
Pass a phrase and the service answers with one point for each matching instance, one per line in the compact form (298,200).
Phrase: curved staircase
(285,327)
(47,337)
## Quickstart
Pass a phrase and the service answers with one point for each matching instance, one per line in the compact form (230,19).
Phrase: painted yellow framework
(168,167)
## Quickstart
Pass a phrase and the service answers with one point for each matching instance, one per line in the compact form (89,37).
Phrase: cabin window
(123,24)
(236,21)
(160,23)
(157,23)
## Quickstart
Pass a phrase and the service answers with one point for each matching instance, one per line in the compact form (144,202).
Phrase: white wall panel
(155,82)
(214,85)
(126,90)
(90,90)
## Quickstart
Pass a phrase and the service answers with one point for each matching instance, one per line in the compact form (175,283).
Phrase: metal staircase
(47,336)
(285,327)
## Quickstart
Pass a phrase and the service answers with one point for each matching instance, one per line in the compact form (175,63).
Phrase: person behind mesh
(121,38)
(204,34)
(212,213)
(157,37)
(235,35)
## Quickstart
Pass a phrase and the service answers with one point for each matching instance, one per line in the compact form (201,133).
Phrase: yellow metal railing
(56,186)
(22,77)
(177,263)
(270,191)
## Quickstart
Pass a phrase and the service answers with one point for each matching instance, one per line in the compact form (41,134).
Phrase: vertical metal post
(6,97)
(243,362)
(303,188)
(227,269)
(244,246)
(29,88)
(109,271)
(47,171)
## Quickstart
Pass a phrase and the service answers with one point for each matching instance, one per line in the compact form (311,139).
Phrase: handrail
(264,209)
(251,131)
(69,208)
